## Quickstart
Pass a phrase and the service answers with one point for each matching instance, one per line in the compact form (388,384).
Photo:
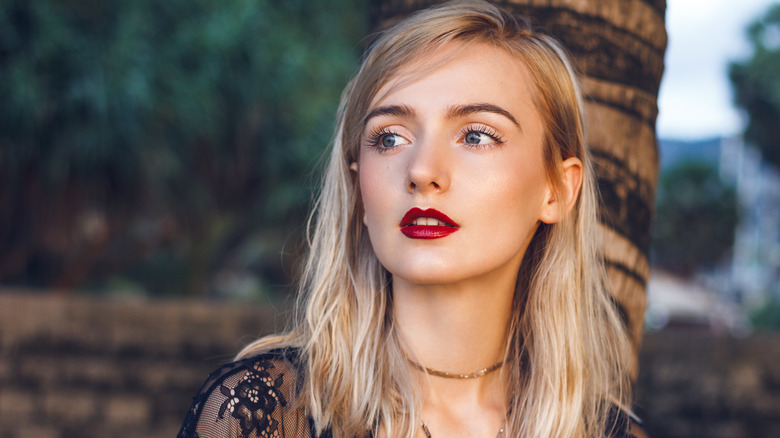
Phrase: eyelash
(482,129)
(378,134)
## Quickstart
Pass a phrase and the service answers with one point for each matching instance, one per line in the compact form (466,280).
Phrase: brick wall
(86,368)
(696,385)
(78,367)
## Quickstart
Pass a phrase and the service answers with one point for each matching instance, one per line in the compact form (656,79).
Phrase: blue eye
(477,138)
(384,139)
(391,140)
(480,136)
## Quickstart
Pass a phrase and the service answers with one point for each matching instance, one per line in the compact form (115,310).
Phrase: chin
(423,274)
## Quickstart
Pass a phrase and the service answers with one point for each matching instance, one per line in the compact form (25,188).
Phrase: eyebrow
(466,110)
(392,110)
(453,112)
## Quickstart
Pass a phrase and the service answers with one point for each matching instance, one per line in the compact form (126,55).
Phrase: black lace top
(253,398)
(250,398)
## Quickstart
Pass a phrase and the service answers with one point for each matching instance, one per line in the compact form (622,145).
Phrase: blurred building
(755,267)
(752,275)
(677,303)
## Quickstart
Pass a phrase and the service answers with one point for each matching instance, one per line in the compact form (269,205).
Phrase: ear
(557,206)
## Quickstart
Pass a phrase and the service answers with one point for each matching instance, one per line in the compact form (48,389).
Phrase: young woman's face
(451,169)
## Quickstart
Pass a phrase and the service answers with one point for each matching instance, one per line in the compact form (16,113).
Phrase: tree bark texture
(618,46)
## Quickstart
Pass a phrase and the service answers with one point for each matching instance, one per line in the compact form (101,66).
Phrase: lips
(427,224)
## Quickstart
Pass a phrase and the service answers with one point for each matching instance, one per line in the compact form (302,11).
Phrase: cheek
(512,197)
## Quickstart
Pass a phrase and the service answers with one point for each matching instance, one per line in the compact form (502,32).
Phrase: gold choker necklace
(446,375)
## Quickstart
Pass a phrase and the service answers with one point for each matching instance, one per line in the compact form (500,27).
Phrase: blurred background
(165,148)
(158,160)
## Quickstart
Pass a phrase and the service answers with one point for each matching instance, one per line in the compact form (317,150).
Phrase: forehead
(476,72)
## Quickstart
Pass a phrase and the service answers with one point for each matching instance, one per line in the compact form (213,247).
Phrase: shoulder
(249,397)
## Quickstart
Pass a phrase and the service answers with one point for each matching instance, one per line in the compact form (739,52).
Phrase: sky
(695,100)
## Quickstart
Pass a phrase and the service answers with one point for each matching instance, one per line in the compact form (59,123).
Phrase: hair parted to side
(568,347)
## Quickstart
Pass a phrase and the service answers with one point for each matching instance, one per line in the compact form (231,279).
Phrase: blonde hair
(568,347)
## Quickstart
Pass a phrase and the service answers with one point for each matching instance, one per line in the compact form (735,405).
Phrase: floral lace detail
(249,399)
(253,401)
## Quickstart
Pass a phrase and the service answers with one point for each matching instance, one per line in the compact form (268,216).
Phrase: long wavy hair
(567,347)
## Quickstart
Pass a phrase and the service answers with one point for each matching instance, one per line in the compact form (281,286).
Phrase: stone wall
(696,385)
(78,367)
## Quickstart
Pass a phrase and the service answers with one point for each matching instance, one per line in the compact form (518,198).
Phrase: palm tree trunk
(619,47)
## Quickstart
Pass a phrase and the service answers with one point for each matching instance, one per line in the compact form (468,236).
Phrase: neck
(454,328)
(458,329)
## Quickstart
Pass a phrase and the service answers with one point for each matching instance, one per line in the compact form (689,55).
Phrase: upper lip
(415,213)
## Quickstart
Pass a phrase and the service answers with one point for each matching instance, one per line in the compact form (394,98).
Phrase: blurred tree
(696,215)
(163,141)
(756,84)
(767,316)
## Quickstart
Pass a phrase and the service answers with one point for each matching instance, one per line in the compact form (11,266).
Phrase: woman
(452,286)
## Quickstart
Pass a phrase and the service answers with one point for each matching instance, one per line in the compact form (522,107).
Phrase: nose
(429,169)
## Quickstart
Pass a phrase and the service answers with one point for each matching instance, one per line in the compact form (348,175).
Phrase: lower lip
(427,231)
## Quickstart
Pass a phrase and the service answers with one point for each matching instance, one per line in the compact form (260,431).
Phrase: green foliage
(155,140)
(767,317)
(757,85)
(695,218)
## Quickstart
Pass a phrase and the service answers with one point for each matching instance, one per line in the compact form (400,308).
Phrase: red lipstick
(442,228)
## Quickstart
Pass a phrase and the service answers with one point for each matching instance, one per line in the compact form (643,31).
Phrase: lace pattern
(254,398)
(250,398)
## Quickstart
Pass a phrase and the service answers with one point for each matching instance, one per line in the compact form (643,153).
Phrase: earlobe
(558,205)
